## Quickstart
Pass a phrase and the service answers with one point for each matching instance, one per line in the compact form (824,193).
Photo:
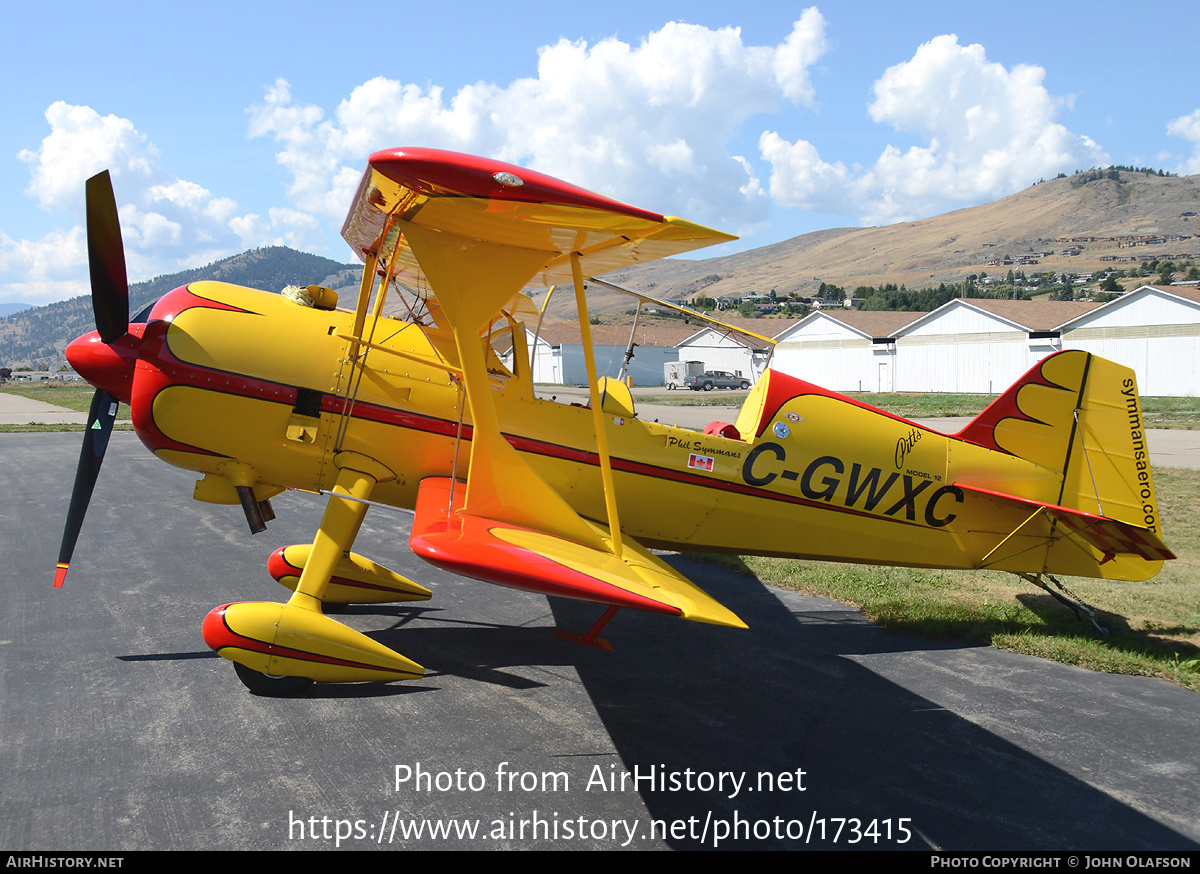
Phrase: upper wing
(517,208)
(466,235)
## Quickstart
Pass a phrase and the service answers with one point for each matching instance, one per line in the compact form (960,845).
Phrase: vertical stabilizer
(1080,416)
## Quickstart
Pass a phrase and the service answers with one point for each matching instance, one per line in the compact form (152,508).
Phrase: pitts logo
(905,445)
(823,477)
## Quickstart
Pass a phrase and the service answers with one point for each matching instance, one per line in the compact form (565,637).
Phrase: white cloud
(282,227)
(252,230)
(82,143)
(1188,127)
(40,271)
(803,47)
(54,256)
(167,223)
(798,175)
(988,131)
(647,123)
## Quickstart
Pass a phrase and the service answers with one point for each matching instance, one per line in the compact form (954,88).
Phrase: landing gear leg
(301,622)
(339,527)
(1080,609)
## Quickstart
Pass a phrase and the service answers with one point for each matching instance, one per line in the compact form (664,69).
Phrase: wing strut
(629,347)
(356,340)
(589,357)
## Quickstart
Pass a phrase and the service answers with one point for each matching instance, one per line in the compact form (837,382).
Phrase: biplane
(261,392)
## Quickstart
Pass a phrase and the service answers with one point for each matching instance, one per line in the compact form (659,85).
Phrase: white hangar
(979,346)
(982,346)
(737,353)
(1154,329)
(842,350)
(558,357)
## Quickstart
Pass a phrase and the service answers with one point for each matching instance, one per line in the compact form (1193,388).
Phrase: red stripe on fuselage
(169,370)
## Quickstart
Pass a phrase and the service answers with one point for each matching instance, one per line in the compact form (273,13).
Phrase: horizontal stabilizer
(1110,538)
(517,556)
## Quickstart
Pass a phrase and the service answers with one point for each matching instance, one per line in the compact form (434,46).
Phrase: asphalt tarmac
(120,731)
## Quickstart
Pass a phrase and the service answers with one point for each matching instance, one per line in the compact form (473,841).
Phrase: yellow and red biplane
(263,392)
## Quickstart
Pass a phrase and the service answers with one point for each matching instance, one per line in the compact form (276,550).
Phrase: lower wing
(521,557)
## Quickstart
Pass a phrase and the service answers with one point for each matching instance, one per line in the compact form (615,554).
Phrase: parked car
(710,379)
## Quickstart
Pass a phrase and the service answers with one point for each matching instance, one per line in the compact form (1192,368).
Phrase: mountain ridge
(950,246)
(42,333)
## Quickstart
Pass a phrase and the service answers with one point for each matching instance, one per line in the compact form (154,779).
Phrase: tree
(1067,291)
(831,292)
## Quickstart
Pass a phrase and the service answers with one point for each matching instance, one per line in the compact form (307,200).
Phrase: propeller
(95,441)
(110,301)
(106,260)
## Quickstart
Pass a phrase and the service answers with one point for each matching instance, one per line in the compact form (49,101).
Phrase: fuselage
(249,387)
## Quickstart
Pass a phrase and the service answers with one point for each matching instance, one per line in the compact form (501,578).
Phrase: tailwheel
(270,686)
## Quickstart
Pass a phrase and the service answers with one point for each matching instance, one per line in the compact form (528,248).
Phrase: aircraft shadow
(788,694)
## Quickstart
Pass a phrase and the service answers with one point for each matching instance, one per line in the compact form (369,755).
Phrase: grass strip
(1154,625)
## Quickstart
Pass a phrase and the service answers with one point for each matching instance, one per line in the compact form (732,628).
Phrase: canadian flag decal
(701,462)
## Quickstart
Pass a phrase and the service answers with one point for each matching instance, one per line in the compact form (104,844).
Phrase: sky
(228,126)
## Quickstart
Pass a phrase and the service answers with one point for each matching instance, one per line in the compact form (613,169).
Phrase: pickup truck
(710,379)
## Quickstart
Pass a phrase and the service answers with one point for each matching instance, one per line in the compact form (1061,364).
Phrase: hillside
(947,248)
(7,309)
(1135,216)
(43,332)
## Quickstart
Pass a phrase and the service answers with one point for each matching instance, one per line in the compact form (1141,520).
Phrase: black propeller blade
(106,260)
(110,300)
(95,441)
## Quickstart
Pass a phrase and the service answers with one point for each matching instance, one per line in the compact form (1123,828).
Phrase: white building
(982,346)
(976,346)
(558,358)
(1154,329)
(979,346)
(722,349)
(842,350)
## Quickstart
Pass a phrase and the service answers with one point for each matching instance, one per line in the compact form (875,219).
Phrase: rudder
(1081,416)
